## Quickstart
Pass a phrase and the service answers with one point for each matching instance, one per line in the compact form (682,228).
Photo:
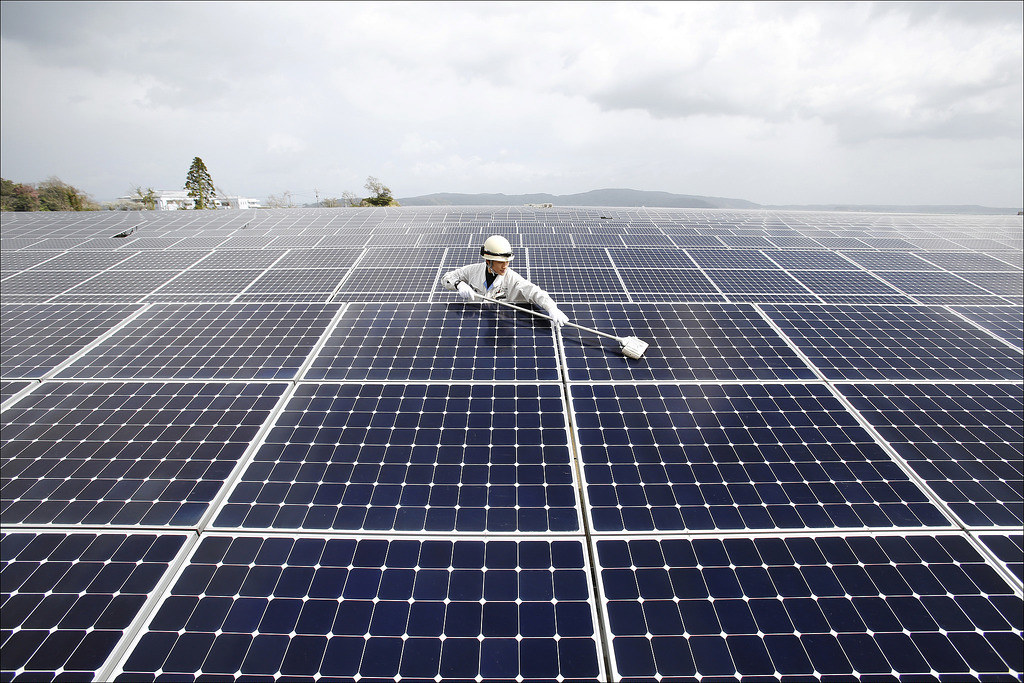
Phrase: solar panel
(449,342)
(1004,322)
(688,342)
(869,342)
(370,609)
(1009,548)
(412,458)
(812,474)
(67,597)
(674,457)
(749,281)
(964,440)
(38,338)
(735,258)
(842,282)
(208,341)
(807,608)
(126,454)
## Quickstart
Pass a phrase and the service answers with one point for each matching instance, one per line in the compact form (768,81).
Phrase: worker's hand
(557,317)
(466,292)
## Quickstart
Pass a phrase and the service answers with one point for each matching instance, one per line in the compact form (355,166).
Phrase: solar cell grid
(669,285)
(688,342)
(1009,548)
(1005,322)
(963,439)
(580,257)
(568,281)
(240,259)
(126,454)
(1010,284)
(68,597)
(965,261)
(647,258)
(810,260)
(450,342)
(319,258)
(751,281)
(776,456)
(199,282)
(812,608)
(693,241)
(208,341)
(734,258)
(160,260)
(375,609)
(882,260)
(746,241)
(13,261)
(42,284)
(842,281)
(398,284)
(895,343)
(297,280)
(132,285)
(342,240)
(931,283)
(437,458)
(38,338)
(423,257)
(790,241)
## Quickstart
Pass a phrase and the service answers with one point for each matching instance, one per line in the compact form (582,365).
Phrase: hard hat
(496,248)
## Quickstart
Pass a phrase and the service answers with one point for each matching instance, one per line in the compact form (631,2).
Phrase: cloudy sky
(886,103)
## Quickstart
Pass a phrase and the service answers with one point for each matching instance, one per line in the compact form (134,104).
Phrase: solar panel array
(267,446)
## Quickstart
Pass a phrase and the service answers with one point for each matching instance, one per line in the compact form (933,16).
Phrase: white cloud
(772,102)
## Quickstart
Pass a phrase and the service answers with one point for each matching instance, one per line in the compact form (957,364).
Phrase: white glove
(466,292)
(557,317)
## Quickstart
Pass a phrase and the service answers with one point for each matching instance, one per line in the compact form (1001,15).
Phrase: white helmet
(496,248)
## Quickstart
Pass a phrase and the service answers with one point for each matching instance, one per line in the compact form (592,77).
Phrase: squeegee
(631,347)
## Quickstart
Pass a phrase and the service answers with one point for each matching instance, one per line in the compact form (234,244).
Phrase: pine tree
(200,185)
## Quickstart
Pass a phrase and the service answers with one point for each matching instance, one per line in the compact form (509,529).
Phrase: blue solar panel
(398,485)
(436,342)
(1004,321)
(808,608)
(67,598)
(687,342)
(111,453)
(905,343)
(965,440)
(412,458)
(755,281)
(348,609)
(208,341)
(773,456)
(1009,548)
(38,338)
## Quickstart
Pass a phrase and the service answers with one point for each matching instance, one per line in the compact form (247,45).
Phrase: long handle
(547,317)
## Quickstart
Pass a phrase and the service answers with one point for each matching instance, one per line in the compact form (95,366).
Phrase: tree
(200,185)
(18,196)
(381,194)
(147,197)
(56,195)
(284,201)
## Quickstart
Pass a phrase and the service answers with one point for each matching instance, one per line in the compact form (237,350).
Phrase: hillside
(635,198)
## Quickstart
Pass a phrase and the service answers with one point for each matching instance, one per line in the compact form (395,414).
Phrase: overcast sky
(888,103)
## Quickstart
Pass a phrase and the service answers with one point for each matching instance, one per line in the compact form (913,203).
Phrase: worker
(494,279)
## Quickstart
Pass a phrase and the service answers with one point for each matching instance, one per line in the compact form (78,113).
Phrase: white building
(179,199)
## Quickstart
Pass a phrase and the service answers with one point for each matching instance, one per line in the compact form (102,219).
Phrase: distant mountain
(607,197)
(633,198)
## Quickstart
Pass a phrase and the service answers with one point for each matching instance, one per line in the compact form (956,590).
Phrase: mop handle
(547,317)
